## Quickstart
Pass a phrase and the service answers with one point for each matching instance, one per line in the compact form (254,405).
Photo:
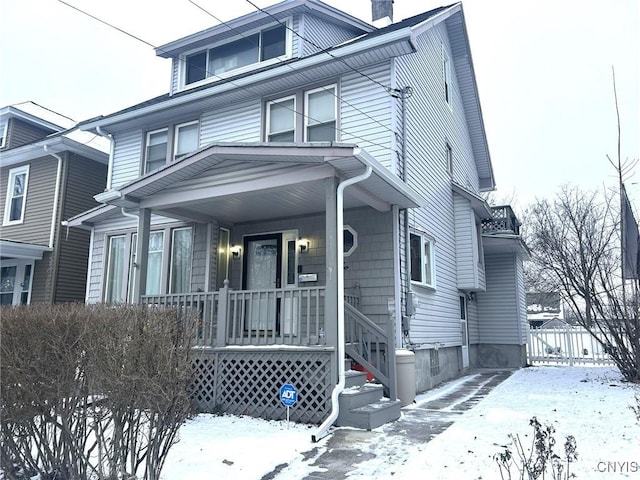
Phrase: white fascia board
(436,19)
(173,48)
(26,251)
(396,36)
(39,116)
(57,144)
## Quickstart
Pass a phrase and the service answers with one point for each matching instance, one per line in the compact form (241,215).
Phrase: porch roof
(27,251)
(241,182)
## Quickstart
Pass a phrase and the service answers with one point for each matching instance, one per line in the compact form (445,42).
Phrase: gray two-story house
(48,172)
(311,188)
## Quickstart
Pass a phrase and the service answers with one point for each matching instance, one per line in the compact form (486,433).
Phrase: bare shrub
(91,392)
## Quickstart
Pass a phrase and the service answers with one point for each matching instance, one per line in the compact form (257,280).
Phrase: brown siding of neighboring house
(20,133)
(83,179)
(38,208)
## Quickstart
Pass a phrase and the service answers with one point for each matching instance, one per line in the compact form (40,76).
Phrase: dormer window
(250,49)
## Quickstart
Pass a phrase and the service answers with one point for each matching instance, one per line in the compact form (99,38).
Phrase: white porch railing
(566,345)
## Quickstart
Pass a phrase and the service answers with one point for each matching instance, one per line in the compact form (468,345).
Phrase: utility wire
(225,80)
(341,99)
(388,89)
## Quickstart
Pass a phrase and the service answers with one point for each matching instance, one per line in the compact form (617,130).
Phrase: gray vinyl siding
(127,153)
(365,112)
(235,123)
(199,258)
(431,123)
(83,179)
(319,34)
(464,225)
(39,203)
(473,323)
(499,308)
(20,133)
(522,302)
(42,275)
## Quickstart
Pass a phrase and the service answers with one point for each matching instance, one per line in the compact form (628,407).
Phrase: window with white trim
(449,157)
(306,116)
(422,260)
(269,44)
(446,75)
(3,133)
(167,144)
(168,263)
(16,195)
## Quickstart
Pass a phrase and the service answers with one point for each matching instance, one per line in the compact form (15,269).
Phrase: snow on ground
(590,403)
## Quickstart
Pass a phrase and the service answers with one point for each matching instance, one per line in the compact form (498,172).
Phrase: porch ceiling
(246,182)
(20,250)
(495,244)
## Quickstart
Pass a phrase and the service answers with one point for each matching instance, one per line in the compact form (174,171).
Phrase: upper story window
(446,75)
(248,50)
(16,195)
(167,144)
(3,133)
(307,116)
(449,158)
(422,260)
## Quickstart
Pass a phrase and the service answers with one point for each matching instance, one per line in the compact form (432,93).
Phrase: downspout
(323,429)
(56,195)
(112,147)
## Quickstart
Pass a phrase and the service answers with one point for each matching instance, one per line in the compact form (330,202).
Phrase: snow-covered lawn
(590,403)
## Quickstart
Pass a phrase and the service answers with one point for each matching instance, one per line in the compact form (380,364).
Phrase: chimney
(382,12)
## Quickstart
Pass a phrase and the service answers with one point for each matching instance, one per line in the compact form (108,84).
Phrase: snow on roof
(33,112)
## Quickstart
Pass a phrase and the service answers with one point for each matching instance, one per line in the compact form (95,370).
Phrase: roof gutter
(335,394)
(396,36)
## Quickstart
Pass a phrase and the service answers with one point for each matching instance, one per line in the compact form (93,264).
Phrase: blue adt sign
(288,395)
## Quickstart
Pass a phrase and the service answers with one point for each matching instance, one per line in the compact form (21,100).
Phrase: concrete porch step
(359,396)
(370,416)
(353,378)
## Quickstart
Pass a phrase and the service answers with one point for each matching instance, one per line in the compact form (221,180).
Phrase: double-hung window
(156,152)
(271,43)
(16,195)
(306,116)
(167,144)
(186,139)
(422,260)
(168,263)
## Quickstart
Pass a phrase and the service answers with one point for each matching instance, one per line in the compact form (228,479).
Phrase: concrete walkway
(347,449)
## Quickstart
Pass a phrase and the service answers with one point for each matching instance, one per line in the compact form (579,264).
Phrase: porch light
(235,251)
(303,244)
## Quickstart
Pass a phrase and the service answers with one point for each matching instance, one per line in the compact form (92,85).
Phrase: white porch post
(331,265)
(142,254)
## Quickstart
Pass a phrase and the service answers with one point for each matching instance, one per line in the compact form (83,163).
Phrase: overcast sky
(543,69)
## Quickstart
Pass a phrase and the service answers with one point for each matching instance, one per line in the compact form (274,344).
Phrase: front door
(15,282)
(464,331)
(262,274)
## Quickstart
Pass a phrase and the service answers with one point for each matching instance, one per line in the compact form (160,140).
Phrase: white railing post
(223,315)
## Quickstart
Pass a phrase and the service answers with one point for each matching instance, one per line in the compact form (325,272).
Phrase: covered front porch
(267,279)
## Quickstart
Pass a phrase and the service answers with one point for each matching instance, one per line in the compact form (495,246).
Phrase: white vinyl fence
(565,345)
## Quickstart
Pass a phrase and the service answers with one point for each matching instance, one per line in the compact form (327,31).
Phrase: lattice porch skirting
(247,381)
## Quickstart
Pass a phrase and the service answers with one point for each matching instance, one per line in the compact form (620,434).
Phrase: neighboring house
(48,172)
(308,170)
(544,307)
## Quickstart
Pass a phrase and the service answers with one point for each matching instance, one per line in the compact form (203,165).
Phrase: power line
(341,99)
(388,89)
(224,80)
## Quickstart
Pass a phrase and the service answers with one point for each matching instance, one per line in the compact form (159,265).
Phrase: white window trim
(176,136)
(182,71)
(332,87)
(129,237)
(13,173)
(447,91)
(268,132)
(432,256)
(4,128)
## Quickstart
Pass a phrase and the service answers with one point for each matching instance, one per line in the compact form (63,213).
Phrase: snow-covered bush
(540,458)
(93,392)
